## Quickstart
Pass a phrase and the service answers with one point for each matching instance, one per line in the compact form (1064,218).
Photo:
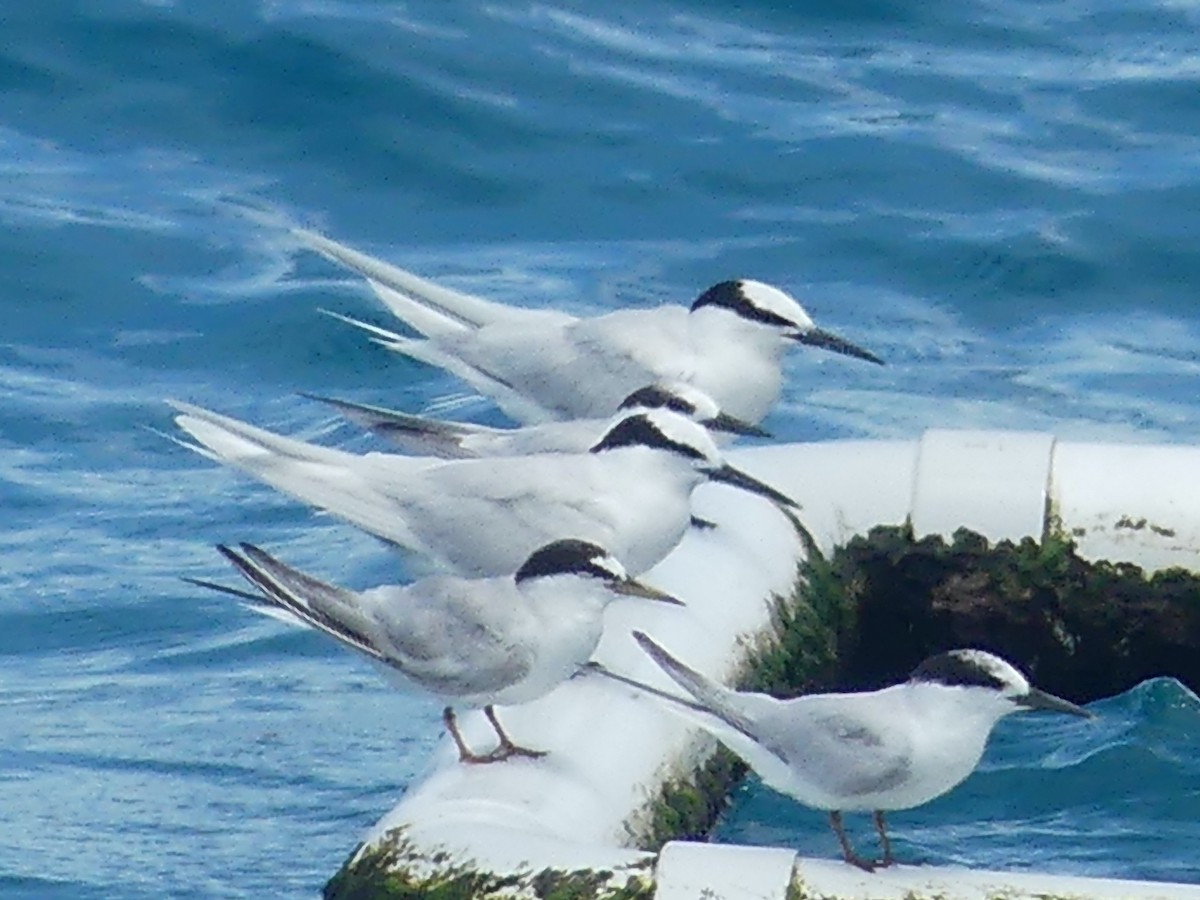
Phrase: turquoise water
(999,197)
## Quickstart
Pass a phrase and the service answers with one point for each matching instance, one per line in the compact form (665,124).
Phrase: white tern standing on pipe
(544,365)
(875,751)
(459,440)
(469,642)
(631,493)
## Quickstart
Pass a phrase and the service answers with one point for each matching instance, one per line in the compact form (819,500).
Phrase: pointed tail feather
(415,434)
(327,608)
(710,696)
(600,669)
(237,442)
(428,322)
(255,601)
(351,487)
(715,721)
(489,384)
(380,335)
(248,596)
(441,309)
(412,308)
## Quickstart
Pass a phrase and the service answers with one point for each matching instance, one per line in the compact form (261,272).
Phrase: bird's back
(890,749)
(462,639)
(485,517)
(578,369)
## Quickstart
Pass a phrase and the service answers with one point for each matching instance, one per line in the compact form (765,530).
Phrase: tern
(457,440)
(544,365)
(470,642)
(876,751)
(630,493)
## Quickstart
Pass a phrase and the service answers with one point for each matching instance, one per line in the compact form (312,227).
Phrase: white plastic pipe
(610,753)
(1137,503)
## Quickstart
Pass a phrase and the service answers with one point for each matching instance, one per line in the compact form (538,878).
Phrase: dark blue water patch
(1166,104)
(31,887)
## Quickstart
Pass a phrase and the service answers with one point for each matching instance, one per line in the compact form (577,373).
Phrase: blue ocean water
(1000,197)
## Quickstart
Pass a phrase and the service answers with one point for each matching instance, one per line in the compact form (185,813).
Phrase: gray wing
(354,488)
(826,740)
(454,637)
(832,744)
(552,368)
(484,517)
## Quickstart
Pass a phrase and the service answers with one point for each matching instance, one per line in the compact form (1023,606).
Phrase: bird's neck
(656,468)
(567,603)
(714,328)
(964,710)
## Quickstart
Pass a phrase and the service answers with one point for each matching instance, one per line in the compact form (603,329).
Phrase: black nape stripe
(639,431)
(565,557)
(731,296)
(954,670)
(657,397)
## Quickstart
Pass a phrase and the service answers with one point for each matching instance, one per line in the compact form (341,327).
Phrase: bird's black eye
(730,295)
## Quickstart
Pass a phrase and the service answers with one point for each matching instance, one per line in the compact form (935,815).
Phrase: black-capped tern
(874,751)
(470,642)
(629,493)
(544,365)
(459,440)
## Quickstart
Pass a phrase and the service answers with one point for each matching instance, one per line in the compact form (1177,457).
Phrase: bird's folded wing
(642,346)
(458,354)
(832,745)
(512,505)
(348,486)
(457,637)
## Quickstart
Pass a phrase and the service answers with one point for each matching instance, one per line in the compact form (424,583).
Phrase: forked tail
(430,308)
(414,434)
(329,609)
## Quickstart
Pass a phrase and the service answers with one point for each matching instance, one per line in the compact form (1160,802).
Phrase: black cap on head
(639,431)
(731,295)
(957,669)
(567,557)
(655,396)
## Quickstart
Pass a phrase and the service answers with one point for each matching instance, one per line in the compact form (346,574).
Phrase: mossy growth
(396,870)
(802,650)
(686,808)
(1082,629)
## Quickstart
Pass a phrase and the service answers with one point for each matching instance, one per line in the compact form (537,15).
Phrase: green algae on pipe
(397,869)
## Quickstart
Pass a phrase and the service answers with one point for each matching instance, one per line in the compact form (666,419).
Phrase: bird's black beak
(1037,699)
(631,587)
(734,425)
(827,340)
(736,477)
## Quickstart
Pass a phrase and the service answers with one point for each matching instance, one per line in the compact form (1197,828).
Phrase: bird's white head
(688,400)
(769,310)
(989,681)
(586,563)
(666,431)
